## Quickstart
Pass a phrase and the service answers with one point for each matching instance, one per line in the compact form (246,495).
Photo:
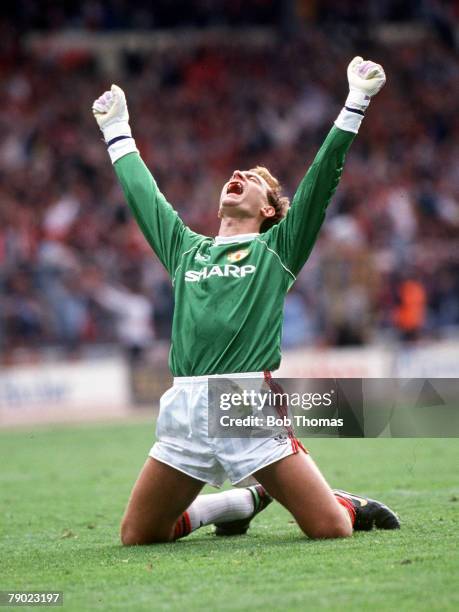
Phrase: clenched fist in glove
(111,113)
(365,78)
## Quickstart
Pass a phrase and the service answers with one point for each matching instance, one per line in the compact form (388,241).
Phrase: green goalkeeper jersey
(230,292)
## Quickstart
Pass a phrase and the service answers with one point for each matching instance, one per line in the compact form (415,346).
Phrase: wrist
(120,146)
(358,100)
(116,130)
(349,119)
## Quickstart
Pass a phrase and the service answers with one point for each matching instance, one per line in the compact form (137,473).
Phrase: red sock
(182,526)
(348,505)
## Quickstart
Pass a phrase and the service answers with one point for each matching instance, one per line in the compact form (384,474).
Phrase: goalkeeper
(229,293)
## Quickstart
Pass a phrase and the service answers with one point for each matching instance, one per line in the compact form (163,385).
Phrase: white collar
(234,239)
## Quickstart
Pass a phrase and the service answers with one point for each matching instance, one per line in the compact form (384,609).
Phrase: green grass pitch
(63,490)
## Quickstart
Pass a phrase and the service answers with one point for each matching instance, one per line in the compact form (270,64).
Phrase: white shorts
(184,444)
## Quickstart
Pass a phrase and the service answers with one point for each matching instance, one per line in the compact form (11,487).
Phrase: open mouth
(235,187)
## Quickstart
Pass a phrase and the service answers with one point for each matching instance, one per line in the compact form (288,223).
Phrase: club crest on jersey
(237,255)
(203,258)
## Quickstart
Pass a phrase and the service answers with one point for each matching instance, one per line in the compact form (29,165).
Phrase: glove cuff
(120,146)
(115,129)
(118,137)
(357,99)
(349,119)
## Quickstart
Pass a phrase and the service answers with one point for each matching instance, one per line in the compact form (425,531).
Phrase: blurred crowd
(75,270)
(109,15)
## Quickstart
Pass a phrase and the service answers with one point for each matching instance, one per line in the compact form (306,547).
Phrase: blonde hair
(279,202)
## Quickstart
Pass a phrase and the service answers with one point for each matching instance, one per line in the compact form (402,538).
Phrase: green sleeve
(168,236)
(294,237)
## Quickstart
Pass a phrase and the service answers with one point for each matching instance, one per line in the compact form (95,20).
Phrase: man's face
(245,195)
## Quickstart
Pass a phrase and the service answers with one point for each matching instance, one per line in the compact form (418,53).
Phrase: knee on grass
(131,535)
(334,528)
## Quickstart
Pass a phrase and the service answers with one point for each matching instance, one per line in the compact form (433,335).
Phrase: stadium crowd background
(75,272)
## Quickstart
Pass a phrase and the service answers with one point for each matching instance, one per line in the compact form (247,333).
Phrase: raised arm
(165,231)
(294,237)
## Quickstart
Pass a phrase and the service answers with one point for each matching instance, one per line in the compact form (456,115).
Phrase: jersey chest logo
(202,258)
(237,255)
(193,276)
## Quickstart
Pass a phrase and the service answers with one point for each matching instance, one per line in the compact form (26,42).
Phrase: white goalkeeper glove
(111,113)
(365,78)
